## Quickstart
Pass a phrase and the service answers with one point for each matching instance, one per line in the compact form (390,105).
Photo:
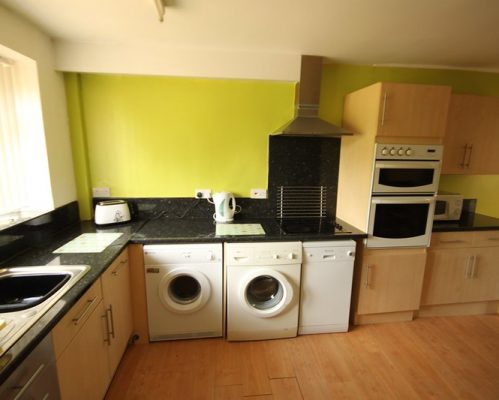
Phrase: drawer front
(452,239)
(486,238)
(120,262)
(72,322)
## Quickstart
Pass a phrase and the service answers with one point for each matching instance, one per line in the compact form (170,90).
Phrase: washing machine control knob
(211,257)
(291,256)
(351,253)
(275,256)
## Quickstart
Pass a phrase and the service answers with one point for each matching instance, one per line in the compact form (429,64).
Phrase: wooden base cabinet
(116,293)
(91,338)
(462,269)
(390,281)
(80,348)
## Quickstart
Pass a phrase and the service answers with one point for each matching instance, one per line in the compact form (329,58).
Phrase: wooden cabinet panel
(483,281)
(452,239)
(116,294)
(463,273)
(75,319)
(391,280)
(471,142)
(486,238)
(411,110)
(82,367)
(445,275)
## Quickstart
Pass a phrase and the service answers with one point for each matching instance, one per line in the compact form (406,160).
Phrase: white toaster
(111,212)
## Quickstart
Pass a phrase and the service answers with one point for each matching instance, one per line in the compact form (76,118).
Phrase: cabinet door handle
(385,96)
(85,311)
(120,266)
(493,239)
(368,273)
(110,309)
(469,266)
(463,161)
(108,331)
(473,267)
(26,386)
(470,148)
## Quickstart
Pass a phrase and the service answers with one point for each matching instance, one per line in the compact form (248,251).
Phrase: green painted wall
(145,136)
(339,80)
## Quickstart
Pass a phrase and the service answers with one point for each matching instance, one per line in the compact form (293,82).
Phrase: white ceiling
(440,33)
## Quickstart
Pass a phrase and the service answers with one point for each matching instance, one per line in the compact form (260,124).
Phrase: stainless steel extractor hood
(307,121)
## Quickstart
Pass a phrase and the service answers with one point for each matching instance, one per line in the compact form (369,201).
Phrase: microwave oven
(448,206)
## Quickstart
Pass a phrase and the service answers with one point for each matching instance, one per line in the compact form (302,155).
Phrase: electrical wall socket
(202,193)
(101,192)
(258,193)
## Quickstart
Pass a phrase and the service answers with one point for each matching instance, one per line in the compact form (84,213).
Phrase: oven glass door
(406,176)
(400,221)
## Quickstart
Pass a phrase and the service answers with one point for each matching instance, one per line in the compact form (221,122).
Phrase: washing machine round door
(184,290)
(265,293)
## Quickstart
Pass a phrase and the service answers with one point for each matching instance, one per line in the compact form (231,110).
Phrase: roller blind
(13,195)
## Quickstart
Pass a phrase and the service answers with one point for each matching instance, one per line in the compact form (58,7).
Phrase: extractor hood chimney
(307,121)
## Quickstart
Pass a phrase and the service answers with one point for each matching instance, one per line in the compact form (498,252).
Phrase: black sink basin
(20,292)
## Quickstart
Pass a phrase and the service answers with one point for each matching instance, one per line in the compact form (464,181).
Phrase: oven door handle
(402,200)
(408,164)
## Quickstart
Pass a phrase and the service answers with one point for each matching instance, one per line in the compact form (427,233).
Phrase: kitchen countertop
(161,230)
(168,230)
(468,222)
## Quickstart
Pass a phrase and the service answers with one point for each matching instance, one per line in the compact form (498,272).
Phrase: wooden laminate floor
(430,358)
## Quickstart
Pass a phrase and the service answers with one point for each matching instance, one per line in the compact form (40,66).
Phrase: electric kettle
(225,207)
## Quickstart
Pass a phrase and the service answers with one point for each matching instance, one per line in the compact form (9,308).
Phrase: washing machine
(184,291)
(263,289)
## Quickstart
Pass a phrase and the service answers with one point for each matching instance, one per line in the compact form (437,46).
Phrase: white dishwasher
(326,286)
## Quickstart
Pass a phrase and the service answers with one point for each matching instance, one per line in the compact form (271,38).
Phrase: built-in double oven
(405,181)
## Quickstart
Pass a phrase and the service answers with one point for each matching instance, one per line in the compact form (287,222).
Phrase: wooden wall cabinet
(462,268)
(92,337)
(401,110)
(472,137)
(384,113)
(390,281)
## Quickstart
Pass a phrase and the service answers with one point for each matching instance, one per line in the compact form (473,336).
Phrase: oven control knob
(401,151)
(384,151)
(393,151)
(408,152)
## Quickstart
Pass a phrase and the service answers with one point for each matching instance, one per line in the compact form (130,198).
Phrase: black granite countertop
(203,230)
(468,222)
(159,230)
(165,230)
(45,256)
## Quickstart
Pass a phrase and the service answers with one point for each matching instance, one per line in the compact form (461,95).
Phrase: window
(25,190)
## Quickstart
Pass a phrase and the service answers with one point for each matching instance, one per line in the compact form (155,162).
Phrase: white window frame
(25,188)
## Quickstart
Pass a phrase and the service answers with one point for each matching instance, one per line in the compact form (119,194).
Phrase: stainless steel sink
(26,293)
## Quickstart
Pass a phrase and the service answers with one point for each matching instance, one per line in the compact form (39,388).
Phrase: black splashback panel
(304,161)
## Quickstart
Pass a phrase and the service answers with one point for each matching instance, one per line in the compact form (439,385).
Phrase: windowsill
(18,217)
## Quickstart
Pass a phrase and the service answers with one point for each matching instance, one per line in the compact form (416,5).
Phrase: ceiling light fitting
(160,6)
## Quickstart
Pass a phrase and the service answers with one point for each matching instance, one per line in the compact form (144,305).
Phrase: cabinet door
(447,271)
(483,282)
(409,110)
(83,366)
(471,141)
(116,294)
(391,280)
